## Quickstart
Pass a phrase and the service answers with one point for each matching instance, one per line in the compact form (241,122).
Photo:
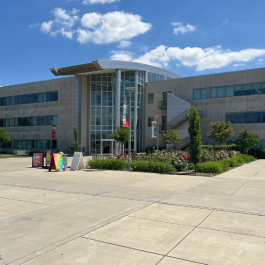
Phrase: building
(92,100)
(91,97)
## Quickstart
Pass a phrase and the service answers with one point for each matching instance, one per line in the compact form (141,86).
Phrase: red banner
(53,132)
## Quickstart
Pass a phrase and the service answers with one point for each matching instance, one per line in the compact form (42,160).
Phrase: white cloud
(121,55)
(179,28)
(261,60)
(34,25)
(144,48)
(111,27)
(238,64)
(202,59)
(87,2)
(124,44)
(62,24)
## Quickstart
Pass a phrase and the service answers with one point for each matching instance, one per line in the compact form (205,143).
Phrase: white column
(117,103)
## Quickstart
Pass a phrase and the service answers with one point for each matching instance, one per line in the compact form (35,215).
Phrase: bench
(21,153)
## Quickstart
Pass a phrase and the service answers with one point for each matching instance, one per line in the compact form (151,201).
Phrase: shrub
(151,166)
(248,158)
(233,162)
(258,153)
(213,167)
(230,147)
(150,150)
(108,164)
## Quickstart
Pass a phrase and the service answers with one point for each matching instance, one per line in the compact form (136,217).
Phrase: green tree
(76,147)
(4,138)
(170,137)
(246,140)
(221,132)
(121,135)
(195,143)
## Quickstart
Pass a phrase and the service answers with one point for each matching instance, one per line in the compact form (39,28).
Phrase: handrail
(162,103)
(177,119)
(183,143)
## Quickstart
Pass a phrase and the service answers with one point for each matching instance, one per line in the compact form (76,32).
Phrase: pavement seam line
(211,208)
(46,204)
(159,221)
(76,235)
(239,188)
(190,232)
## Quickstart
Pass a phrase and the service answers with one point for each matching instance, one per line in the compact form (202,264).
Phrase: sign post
(78,162)
(57,162)
(38,160)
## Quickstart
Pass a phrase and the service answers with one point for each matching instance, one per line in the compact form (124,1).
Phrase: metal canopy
(101,66)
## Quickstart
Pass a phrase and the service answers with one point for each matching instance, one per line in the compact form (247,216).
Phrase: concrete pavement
(113,217)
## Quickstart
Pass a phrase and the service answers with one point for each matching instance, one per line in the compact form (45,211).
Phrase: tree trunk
(225,153)
(195,169)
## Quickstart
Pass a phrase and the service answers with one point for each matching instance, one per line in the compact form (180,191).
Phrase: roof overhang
(101,66)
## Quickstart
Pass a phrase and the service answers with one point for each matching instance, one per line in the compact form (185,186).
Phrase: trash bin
(65,160)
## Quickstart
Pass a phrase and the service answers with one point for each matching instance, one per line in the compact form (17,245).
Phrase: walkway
(103,217)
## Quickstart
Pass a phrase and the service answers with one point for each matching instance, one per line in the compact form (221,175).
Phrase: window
(150,119)
(44,97)
(150,98)
(221,92)
(238,118)
(30,99)
(16,100)
(229,91)
(247,117)
(256,89)
(204,93)
(55,120)
(197,94)
(35,98)
(39,98)
(229,117)
(238,91)
(263,117)
(55,96)
(256,117)
(247,90)
(214,93)
(54,144)
(25,99)
(263,88)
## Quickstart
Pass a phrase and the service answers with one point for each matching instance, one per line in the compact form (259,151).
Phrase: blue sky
(186,37)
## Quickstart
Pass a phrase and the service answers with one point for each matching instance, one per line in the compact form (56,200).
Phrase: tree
(76,147)
(221,132)
(246,140)
(195,143)
(170,137)
(4,138)
(121,135)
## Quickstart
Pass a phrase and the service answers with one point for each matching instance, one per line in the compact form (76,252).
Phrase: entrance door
(107,146)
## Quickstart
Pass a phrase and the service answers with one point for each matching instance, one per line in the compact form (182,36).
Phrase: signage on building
(154,129)
(124,119)
(78,161)
(53,131)
(57,163)
(37,160)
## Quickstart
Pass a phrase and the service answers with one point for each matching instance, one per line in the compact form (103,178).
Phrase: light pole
(130,89)
(157,132)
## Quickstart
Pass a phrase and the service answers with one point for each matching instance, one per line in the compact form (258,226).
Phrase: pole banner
(53,131)
(125,111)
(154,129)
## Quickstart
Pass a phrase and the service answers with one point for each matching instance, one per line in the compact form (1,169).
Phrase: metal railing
(178,119)
(162,104)
(184,143)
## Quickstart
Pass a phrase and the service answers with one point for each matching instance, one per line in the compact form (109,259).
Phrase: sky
(188,37)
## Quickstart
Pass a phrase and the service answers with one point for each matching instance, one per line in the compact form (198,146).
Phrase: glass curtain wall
(102,118)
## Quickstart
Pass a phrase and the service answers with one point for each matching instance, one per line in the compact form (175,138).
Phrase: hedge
(150,150)
(151,166)
(229,147)
(108,164)
(222,166)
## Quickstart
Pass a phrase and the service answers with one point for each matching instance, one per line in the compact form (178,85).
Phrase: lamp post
(157,132)
(130,89)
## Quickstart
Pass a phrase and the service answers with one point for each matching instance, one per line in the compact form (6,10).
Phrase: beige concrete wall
(213,109)
(64,108)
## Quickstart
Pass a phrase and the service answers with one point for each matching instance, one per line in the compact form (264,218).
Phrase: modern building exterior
(91,97)
(92,100)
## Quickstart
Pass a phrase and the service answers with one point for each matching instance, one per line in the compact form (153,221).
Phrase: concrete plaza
(112,217)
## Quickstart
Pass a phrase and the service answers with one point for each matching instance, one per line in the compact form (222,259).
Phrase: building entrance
(107,146)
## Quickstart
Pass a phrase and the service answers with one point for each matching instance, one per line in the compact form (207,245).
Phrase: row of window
(29,99)
(157,77)
(246,117)
(230,91)
(31,121)
(30,144)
